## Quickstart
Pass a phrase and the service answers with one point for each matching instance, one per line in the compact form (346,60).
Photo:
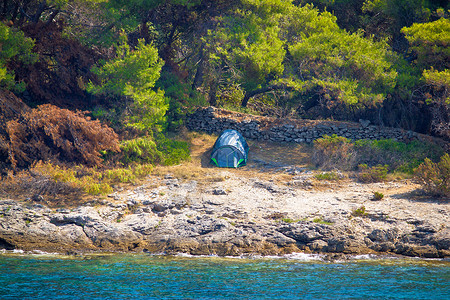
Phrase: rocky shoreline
(237,216)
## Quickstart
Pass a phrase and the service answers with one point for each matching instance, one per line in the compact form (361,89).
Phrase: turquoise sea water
(164,277)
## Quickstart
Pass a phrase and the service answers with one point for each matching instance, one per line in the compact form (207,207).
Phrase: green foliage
(435,177)
(231,97)
(385,18)
(343,154)
(319,220)
(440,80)
(101,22)
(182,99)
(377,196)
(174,152)
(162,151)
(439,83)
(128,175)
(332,176)
(349,68)
(430,41)
(331,143)
(294,53)
(359,212)
(88,180)
(133,74)
(248,43)
(372,174)
(401,157)
(140,150)
(13,46)
(288,220)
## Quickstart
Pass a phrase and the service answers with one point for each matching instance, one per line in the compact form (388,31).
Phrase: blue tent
(230,150)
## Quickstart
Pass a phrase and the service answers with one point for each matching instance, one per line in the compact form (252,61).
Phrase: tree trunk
(270,88)
(145,32)
(198,79)
(15,12)
(40,10)
(52,17)
(213,93)
(4,9)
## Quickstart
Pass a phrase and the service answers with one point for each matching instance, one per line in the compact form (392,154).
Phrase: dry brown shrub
(10,108)
(49,132)
(435,177)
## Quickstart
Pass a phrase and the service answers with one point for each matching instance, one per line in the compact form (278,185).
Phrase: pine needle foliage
(132,75)
(146,150)
(13,46)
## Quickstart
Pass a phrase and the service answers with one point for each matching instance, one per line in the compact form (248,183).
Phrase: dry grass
(29,186)
(57,185)
(266,161)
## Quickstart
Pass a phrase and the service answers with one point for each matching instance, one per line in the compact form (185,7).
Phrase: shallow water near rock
(126,276)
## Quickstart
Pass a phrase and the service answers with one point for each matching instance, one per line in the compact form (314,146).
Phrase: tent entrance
(228,157)
(230,150)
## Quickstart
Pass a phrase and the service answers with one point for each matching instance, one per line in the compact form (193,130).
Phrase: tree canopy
(382,60)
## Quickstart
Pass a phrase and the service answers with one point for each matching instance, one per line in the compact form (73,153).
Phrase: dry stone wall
(214,120)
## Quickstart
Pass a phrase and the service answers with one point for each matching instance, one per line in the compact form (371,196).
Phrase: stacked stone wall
(214,120)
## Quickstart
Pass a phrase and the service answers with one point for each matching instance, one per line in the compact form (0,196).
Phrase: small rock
(317,245)
(215,202)
(37,198)
(219,191)
(176,211)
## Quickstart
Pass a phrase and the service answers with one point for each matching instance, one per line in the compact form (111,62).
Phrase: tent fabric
(230,150)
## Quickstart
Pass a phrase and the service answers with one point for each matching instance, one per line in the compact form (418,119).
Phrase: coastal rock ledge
(172,216)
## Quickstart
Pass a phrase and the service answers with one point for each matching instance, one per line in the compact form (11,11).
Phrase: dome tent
(230,150)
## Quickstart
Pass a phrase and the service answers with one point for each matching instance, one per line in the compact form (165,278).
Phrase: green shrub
(399,156)
(374,174)
(333,152)
(173,151)
(128,175)
(288,220)
(140,150)
(91,180)
(332,176)
(15,47)
(377,196)
(98,188)
(339,152)
(163,151)
(142,170)
(88,180)
(121,175)
(359,212)
(435,177)
(132,74)
(319,220)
